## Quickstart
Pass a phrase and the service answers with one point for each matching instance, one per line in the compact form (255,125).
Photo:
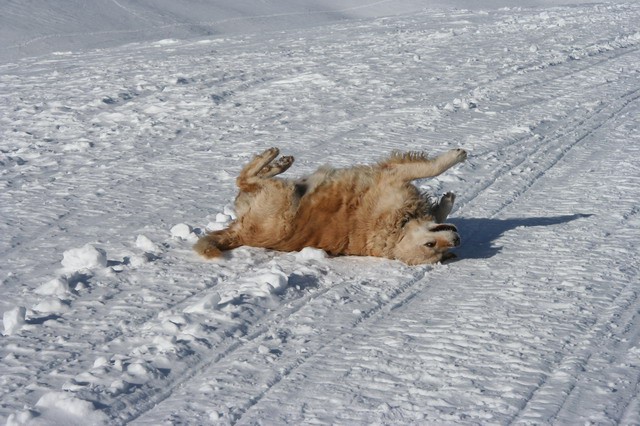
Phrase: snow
(87,257)
(120,140)
(13,319)
(63,27)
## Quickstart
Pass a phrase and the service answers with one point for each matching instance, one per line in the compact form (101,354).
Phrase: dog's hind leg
(275,168)
(411,166)
(214,243)
(249,179)
(441,210)
(259,161)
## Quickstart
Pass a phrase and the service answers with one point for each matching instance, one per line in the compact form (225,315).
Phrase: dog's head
(422,241)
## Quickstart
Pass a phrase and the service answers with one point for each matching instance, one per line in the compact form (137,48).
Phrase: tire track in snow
(571,363)
(413,286)
(131,12)
(543,150)
(144,400)
(560,396)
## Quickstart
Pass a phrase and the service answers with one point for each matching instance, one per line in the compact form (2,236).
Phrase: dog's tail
(214,243)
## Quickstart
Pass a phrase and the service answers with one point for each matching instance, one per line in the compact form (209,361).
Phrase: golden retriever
(363,210)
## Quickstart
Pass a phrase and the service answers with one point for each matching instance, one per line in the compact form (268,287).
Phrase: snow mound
(144,243)
(207,303)
(55,287)
(87,257)
(62,408)
(182,231)
(13,320)
(310,253)
(51,306)
(273,282)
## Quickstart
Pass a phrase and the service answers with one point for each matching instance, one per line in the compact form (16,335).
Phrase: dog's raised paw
(285,161)
(461,154)
(448,197)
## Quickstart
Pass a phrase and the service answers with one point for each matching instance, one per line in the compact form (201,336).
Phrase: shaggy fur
(362,210)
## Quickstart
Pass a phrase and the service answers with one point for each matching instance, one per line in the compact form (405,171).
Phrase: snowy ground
(111,161)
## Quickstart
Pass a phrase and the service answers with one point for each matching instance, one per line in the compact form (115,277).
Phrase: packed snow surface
(114,161)
(34,27)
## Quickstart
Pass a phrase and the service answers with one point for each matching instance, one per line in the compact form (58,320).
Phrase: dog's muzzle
(443,227)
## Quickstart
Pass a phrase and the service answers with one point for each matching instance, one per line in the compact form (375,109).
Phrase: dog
(365,210)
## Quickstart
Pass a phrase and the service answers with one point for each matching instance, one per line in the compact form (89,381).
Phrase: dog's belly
(330,216)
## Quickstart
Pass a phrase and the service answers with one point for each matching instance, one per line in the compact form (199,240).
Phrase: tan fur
(363,210)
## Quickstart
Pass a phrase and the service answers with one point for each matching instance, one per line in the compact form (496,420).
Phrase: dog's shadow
(479,235)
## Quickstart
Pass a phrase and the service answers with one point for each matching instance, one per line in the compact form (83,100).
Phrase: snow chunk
(184,232)
(100,362)
(144,243)
(223,218)
(165,344)
(221,222)
(51,306)
(21,418)
(140,372)
(229,211)
(63,408)
(274,282)
(310,253)
(166,42)
(138,260)
(80,146)
(56,287)
(204,305)
(13,320)
(215,226)
(87,257)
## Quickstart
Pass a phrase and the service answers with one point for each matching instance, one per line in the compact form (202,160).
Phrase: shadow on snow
(479,234)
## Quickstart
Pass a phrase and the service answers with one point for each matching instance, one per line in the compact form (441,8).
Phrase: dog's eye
(430,244)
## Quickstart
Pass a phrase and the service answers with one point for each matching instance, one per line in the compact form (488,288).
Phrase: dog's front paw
(449,197)
(460,154)
(454,156)
(270,153)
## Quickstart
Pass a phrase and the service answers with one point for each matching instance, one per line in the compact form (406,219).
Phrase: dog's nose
(456,240)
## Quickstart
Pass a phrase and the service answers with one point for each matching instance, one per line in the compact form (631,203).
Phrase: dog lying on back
(363,210)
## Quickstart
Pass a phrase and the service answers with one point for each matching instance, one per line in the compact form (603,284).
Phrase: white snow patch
(144,243)
(183,231)
(52,305)
(55,287)
(274,282)
(13,320)
(87,257)
(310,253)
(205,304)
(63,408)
